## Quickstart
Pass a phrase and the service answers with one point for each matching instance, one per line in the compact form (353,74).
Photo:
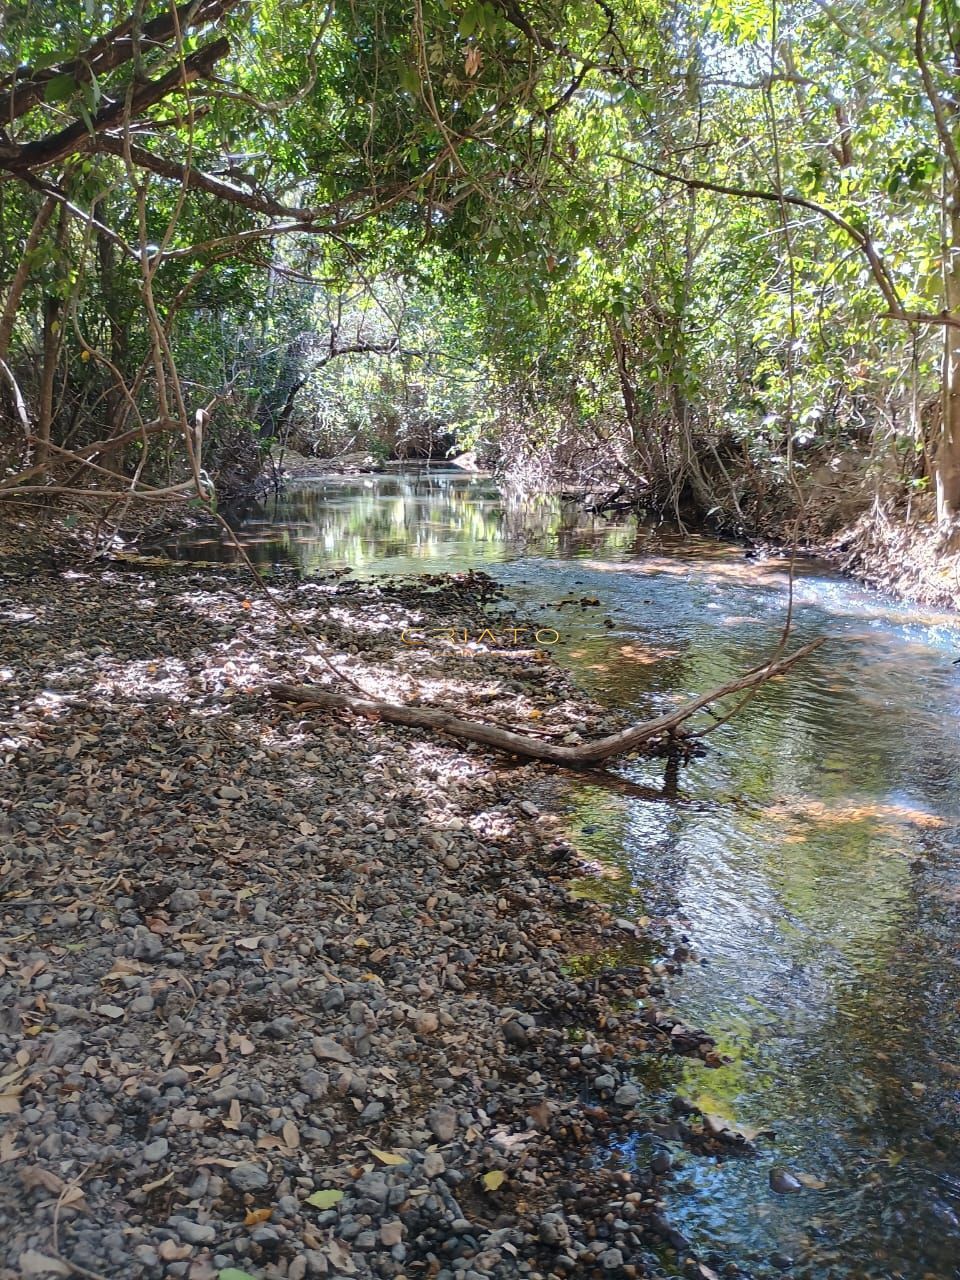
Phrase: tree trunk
(948,448)
(52,308)
(115,403)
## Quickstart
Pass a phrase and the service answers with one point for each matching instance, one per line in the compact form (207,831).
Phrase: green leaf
(60,87)
(234,1273)
(324,1199)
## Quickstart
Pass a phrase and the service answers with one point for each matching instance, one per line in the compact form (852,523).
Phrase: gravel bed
(284,994)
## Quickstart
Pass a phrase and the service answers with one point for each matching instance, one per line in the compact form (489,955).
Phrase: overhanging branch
(43,152)
(878,268)
(197,180)
(110,51)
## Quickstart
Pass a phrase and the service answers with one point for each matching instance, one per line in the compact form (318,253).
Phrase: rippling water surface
(813,856)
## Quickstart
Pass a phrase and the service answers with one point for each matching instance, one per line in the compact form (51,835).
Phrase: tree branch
(878,267)
(110,51)
(944,132)
(77,136)
(197,180)
(522,744)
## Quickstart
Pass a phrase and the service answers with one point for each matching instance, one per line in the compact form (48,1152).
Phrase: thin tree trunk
(52,339)
(11,303)
(52,308)
(948,449)
(115,402)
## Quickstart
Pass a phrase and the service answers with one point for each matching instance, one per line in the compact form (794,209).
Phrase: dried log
(521,744)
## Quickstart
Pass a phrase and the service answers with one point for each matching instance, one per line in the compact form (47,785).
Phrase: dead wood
(521,744)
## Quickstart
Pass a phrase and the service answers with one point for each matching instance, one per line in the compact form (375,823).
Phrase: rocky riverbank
(289,995)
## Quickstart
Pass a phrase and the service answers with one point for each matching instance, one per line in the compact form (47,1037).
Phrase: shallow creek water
(812,857)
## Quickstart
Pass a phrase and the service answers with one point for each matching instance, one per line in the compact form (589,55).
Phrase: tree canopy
(711,247)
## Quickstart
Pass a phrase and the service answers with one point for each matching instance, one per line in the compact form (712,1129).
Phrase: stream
(811,857)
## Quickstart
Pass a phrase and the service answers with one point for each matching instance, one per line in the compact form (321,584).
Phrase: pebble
(330,1050)
(156,1150)
(248,1177)
(425,1021)
(193,1232)
(783,1181)
(442,1123)
(63,1047)
(146,945)
(516,1034)
(628,1095)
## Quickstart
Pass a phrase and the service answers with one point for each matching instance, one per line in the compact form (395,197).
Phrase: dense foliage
(709,249)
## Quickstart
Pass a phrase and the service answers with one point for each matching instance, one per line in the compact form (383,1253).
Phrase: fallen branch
(522,744)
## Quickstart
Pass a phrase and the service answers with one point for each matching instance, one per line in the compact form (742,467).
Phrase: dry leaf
(291,1134)
(339,1255)
(35,1175)
(388,1157)
(234,1116)
(7,1149)
(170,1251)
(10,1100)
(254,1217)
(158,1182)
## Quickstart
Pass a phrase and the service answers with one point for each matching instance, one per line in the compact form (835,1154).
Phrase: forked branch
(637,736)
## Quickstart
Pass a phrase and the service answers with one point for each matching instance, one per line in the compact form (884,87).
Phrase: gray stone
(514,1033)
(628,1095)
(265,1235)
(64,1047)
(442,1123)
(248,1177)
(315,1084)
(193,1232)
(784,1182)
(327,1048)
(146,945)
(156,1150)
(333,998)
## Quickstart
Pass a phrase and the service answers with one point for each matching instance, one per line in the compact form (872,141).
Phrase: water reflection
(399,521)
(812,855)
